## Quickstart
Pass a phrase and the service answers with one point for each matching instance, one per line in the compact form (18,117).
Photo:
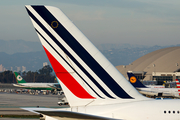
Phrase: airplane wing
(73,115)
(50,85)
(65,114)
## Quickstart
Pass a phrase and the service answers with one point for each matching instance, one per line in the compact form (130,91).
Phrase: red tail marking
(67,79)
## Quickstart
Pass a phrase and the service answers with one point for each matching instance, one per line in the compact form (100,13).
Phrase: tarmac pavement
(11,103)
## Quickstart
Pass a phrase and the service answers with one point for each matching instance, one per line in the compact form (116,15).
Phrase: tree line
(44,75)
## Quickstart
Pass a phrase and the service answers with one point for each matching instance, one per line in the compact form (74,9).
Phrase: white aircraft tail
(85,75)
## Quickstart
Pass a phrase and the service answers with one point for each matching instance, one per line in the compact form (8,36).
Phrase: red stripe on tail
(67,79)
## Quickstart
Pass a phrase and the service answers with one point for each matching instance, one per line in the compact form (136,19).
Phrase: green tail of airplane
(19,79)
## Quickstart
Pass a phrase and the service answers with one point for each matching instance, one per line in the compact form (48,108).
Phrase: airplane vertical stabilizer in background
(138,84)
(19,79)
(94,88)
(177,83)
(134,81)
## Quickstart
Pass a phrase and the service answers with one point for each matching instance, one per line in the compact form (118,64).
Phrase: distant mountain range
(18,53)
(19,46)
(31,60)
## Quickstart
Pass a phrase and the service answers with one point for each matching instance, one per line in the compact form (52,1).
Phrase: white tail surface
(85,75)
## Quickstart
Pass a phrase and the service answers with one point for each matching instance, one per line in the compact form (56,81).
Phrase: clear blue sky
(144,22)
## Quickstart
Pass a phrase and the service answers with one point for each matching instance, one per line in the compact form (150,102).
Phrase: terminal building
(160,65)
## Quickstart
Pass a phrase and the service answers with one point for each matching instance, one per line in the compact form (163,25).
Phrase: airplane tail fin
(134,81)
(85,75)
(19,79)
(177,83)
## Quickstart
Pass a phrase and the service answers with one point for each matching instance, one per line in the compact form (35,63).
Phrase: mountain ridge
(32,56)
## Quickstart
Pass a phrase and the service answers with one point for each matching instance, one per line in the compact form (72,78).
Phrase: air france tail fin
(86,76)
(134,81)
(19,79)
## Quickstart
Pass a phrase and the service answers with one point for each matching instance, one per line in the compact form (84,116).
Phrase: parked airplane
(34,86)
(156,91)
(94,88)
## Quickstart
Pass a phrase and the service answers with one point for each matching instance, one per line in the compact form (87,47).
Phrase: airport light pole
(154,69)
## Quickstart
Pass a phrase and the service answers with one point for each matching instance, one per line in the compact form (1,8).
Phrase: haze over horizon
(150,22)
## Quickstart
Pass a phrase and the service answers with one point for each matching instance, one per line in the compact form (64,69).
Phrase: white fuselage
(166,92)
(140,110)
(155,86)
(36,85)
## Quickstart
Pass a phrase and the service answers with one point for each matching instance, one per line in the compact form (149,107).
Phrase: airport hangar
(160,65)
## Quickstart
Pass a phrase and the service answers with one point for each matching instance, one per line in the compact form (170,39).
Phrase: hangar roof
(163,60)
